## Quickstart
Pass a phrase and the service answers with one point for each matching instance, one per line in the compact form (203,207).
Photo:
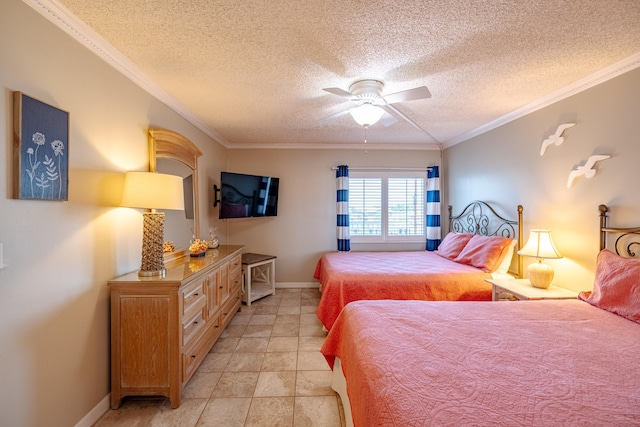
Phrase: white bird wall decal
(556,138)
(586,169)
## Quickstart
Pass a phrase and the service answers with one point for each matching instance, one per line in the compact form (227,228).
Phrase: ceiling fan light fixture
(366,114)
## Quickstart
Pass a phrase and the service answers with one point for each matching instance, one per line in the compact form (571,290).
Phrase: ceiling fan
(371,104)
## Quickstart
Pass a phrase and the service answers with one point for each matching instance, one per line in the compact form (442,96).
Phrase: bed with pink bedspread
(512,363)
(533,363)
(474,251)
(420,275)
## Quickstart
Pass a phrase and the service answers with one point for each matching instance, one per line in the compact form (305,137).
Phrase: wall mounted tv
(246,196)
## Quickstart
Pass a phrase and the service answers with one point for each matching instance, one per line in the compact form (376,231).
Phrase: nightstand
(259,276)
(521,289)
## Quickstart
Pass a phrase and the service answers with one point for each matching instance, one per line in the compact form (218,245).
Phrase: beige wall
(505,166)
(306,221)
(54,319)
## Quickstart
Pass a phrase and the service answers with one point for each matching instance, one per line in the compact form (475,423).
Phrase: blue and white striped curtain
(342,208)
(433,208)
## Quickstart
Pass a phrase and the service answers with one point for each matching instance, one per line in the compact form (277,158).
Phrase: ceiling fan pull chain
(365,139)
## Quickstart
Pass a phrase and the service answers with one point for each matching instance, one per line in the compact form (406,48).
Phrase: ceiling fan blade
(336,115)
(420,92)
(339,92)
(394,111)
(388,119)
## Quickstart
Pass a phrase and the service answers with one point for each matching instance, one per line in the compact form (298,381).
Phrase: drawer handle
(195,323)
(193,356)
(221,287)
(195,295)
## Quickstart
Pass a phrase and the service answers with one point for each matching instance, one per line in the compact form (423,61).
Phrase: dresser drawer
(192,357)
(230,308)
(235,265)
(235,283)
(195,352)
(192,325)
(235,276)
(192,295)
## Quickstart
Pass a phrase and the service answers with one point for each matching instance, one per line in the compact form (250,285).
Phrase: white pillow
(506,261)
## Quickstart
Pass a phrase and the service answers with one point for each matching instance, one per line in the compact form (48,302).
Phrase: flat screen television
(246,196)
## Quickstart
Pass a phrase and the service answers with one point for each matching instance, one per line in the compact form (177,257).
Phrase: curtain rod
(355,168)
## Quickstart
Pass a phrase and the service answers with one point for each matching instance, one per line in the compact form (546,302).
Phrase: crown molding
(581,85)
(60,16)
(76,28)
(338,146)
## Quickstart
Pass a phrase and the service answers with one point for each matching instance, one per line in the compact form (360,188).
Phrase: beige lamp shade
(151,190)
(366,114)
(540,246)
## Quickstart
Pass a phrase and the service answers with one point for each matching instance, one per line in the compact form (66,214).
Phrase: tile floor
(265,370)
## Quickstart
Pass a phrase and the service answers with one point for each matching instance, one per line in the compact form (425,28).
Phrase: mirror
(172,153)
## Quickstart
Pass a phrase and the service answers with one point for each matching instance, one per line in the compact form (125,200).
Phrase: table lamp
(540,246)
(151,190)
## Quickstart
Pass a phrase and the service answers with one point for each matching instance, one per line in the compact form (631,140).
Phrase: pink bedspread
(420,275)
(523,363)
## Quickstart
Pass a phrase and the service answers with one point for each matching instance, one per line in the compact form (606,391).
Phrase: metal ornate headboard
(479,217)
(627,243)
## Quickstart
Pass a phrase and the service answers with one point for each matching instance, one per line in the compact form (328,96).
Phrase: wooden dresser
(162,328)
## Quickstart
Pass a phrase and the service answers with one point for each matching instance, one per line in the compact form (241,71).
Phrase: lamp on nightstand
(540,246)
(151,190)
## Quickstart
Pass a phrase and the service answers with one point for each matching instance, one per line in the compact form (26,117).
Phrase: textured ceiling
(252,72)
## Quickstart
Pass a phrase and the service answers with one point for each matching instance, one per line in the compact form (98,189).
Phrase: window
(386,206)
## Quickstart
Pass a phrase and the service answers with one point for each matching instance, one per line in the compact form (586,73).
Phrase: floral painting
(41,141)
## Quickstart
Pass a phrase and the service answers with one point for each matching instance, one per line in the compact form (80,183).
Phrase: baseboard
(95,414)
(295,285)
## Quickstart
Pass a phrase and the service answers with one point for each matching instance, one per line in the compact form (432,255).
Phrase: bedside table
(521,289)
(258,276)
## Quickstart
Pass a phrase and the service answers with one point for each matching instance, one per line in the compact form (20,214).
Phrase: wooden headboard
(627,242)
(479,217)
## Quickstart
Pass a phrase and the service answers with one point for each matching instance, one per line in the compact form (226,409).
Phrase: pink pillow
(617,285)
(484,252)
(452,244)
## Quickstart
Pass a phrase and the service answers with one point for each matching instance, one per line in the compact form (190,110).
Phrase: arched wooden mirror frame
(167,144)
